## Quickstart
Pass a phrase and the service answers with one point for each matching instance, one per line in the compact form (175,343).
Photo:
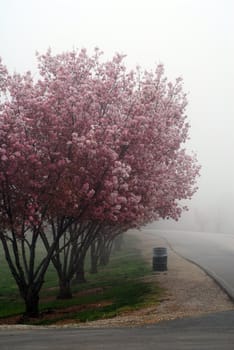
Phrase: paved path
(213,252)
(213,332)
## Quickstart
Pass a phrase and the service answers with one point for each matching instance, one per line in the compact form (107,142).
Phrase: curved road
(213,332)
(214,252)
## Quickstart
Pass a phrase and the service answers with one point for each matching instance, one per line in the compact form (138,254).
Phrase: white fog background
(192,38)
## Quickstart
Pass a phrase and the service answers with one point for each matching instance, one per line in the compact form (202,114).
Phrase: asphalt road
(212,251)
(213,332)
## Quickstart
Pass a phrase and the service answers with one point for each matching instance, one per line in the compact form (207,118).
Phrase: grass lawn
(118,287)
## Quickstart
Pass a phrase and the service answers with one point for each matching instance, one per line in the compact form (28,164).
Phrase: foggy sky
(192,38)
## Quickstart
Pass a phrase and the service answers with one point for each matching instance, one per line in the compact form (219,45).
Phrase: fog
(192,38)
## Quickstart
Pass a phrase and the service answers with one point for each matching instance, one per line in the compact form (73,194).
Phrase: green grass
(121,288)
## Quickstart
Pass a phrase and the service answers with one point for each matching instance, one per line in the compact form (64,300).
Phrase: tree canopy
(91,139)
(88,143)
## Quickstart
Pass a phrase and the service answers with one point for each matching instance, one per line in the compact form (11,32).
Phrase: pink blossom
(89,131)
(4,158)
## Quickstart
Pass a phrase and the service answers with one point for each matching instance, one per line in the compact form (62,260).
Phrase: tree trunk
(105,253)
(118,242)
(93,258)
(105,257)
(80,273)
(64,289)
(94,264)
(31,305)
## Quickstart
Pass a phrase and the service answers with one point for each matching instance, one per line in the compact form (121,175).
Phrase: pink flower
(4,158)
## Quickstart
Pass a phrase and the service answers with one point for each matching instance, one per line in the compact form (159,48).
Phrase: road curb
(218,280)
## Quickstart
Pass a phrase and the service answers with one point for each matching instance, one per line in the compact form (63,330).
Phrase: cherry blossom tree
(126,131)
(26,191)
(87,144)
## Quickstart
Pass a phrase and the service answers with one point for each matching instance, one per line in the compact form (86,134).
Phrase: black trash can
(160,259)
